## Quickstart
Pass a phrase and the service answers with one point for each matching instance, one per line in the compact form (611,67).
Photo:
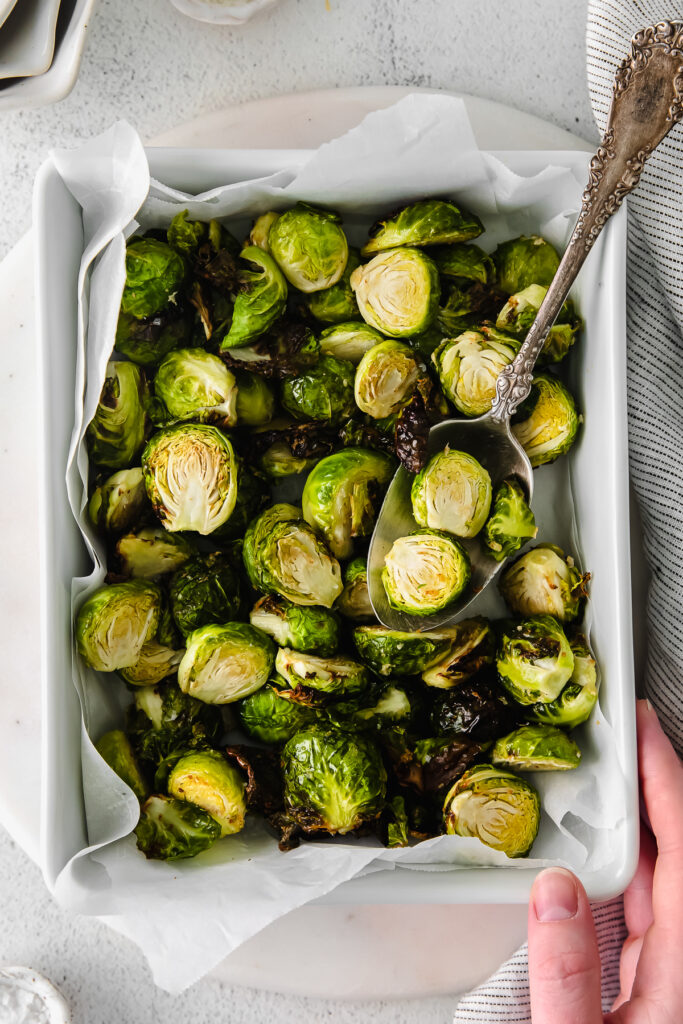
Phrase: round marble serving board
(362,952)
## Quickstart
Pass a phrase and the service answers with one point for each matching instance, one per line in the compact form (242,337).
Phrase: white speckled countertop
(149,64)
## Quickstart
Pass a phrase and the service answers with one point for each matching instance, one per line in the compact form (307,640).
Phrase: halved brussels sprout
(156,662)
(496,807)
(163,721)
(398,292)
(468,368)
(255,403)
(116,432)
(147,340)
(172,829)
(390,652)
(546,422)
(330,677)
(478,708)
(426,222)
(205,591)
(354,601)
(534,659)
(282,555)
(334,781)
(152,552)
(336,304)
(452,493)
(386,377)
(349,340)
(376,710)
(192,384)
(309,247)
(118,503)
(223,663)
(536,748)
(301,628)
(116,750)
(204,778)
(277,461)
(578,698)
(464,263)
(342,496)
(544,581)
(526,260)
(269,718)
(472,647)
(260,300)
(511,522)
(323,393)
(425,572)
(519,312)
(115,622)
(191,477)
(154,275)
(261,228)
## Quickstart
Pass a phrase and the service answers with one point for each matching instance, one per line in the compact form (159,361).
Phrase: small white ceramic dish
(27,39)
(222,12)
(6,8)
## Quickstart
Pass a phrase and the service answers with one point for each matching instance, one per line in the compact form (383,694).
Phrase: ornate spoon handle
(647,102)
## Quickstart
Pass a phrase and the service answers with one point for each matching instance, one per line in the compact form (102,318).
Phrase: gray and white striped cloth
(655,372)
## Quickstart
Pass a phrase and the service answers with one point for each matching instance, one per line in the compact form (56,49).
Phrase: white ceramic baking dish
(595,472)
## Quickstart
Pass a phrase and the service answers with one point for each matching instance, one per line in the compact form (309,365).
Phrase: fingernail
(555,895)
(648,705)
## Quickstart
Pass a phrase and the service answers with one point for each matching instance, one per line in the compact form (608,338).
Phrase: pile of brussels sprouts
(259,401)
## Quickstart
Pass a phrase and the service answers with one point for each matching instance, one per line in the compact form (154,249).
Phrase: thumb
(564,962)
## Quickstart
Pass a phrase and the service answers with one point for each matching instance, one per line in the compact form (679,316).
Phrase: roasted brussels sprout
(118,503)
(519,312)
(342,496)
(328,677)
(223,663)
(349,340)
(260,300)
(323,393)
(277,461)
(464,263)
(536,748)
(191,477)
(282,555)
(334,781)
(336,304)
(204,778)
(114,623)
(301,628)
(534,659)
(164,722)
(390,652)
(152,552)
(116,750)
(496,807)
(398,291)
(255,402)
(287,348)
(154,275)
(184,235)
(354,601)
(269,718)
(543,581)
(156,662)
(452,493)
(546,422)
(511,523)
(391,705)
(478,708)
(386,377)
(578,698)
(425,572)
(468,368)
(204,592)
(427,222)
(148,340)
(260,229)
(116,432)
(526,260)
(192,384)
(171,829)
(472,647)
(309,247)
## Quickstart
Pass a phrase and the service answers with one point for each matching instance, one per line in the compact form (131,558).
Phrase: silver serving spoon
(646,103)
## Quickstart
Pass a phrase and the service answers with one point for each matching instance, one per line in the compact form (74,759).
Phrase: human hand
(564,963)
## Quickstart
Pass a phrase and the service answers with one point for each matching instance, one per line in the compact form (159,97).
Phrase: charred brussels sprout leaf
(223,663)
(334,781)
(309,247)
(464,263)
(398,292)
(427,222)
(116,750)
(354,601)
(288,349)
(394,825)
(192,384)
(434,764)
(336,304)
(260,301)
(547,422)
(164,722)
(468,368)
(496,807)
(151,552)
(349,340)
(543,581)
(511,523)
(116,432)
(390,652)
(386,378)
(323,393)
(215,259)
(472,648)
(519,312)
(425,572)
(115,622)
(205,591)
(452,493)
(191,477)
(185,236)
(172,829)
(146,341)
(277,461)
(536,748)
(119,503)
(314,677)
(523,261)
(155,273)
(255,402)
(204,778)
(269,718)
(578,698)
(534,659)
(479,709)
(301,628)
(375,709)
